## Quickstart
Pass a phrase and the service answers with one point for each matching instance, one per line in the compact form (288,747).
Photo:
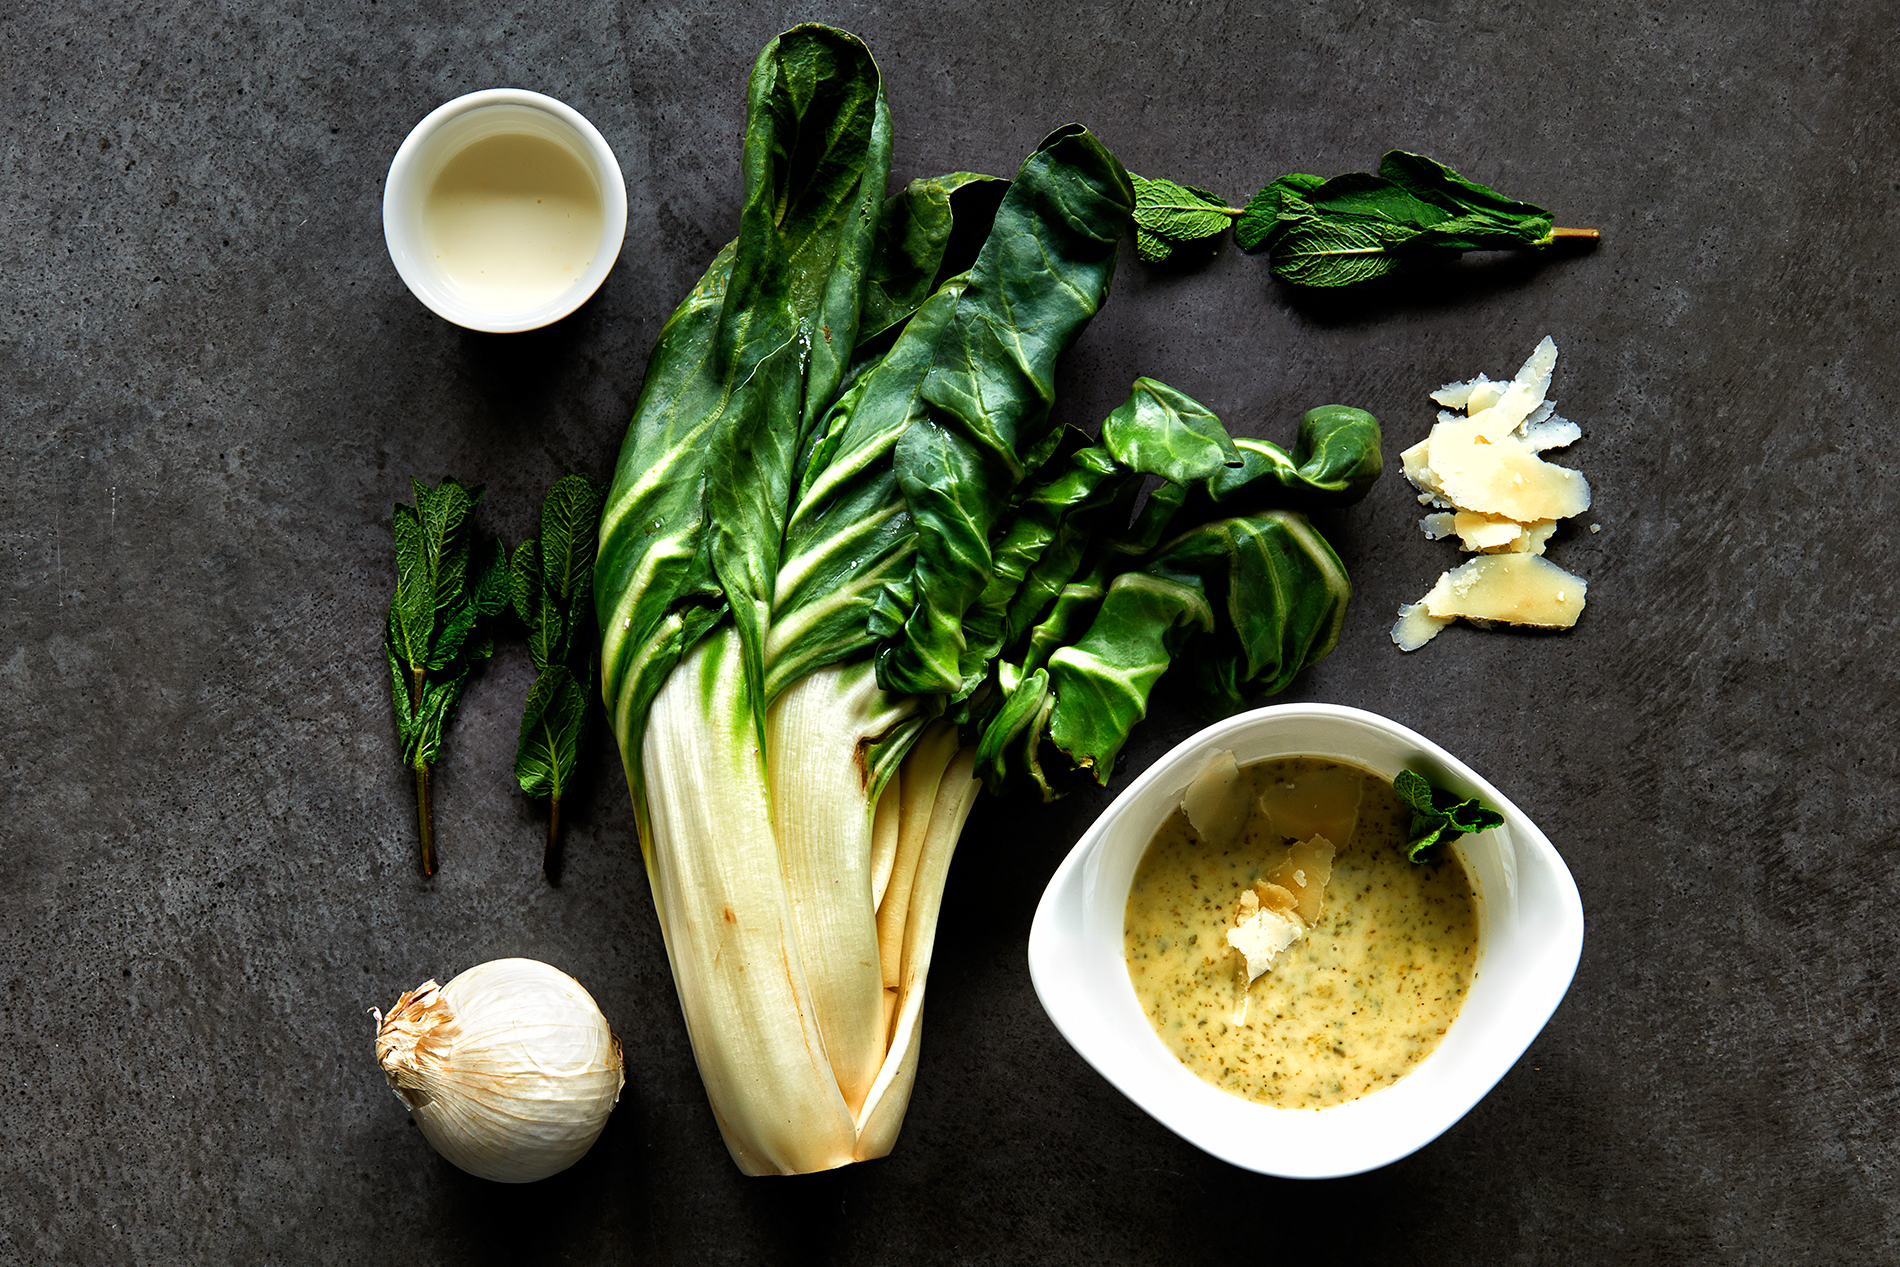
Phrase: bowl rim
(398,186)
(1077,987)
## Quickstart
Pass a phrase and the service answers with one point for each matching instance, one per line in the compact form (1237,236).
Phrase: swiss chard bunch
(551,585)
(1356,227)
(448,585)
(852,569)
(1438,816)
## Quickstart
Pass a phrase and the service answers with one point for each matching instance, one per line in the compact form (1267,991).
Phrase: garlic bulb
(510,1069)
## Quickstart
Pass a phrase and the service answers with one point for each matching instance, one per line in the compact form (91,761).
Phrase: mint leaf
(1168,214)
(486,596)
(570,520)
(549,747)
(524,593)
(1431,181)
(1260,216)
(1470,816)
(1439,816)
(1314,250)
(1414,791)
(1416,847)
(436,630)
(1360,226)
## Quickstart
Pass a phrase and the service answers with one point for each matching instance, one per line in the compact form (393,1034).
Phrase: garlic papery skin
(510,1069)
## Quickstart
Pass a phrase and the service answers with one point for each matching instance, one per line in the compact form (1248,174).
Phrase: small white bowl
(1530,934)
(449,130)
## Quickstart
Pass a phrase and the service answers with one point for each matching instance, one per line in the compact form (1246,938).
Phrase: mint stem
(554,835)
(424,818)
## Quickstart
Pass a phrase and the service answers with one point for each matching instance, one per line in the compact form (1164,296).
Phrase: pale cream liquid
(514,220)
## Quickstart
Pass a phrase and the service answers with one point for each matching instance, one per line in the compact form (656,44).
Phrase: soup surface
(1351,1006)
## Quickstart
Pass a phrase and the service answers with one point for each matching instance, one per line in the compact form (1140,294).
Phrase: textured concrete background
(215,386)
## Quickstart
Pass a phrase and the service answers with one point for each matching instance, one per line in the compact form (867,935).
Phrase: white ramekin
(1530,935)
(438,138)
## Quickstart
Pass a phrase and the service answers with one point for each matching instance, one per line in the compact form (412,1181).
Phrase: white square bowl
(1530,934)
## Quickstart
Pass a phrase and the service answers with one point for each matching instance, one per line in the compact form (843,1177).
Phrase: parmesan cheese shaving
(1417,626)
(1264,928)
(1483,473)
(1501,476)
(1218,801)
(1524,394)
(1491,533)
(1520,589)
(1279,909)
(1308,866)
(1486,532)
(1318,804)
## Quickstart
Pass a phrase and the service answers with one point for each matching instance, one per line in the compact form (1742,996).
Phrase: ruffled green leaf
(570,516)
(524,590)
(817,155)
(484,595)
(1439,816)
(1335,461)
(850,539)
(1040,277)
(741,376)
(1101,683)
(1242,602)
(1161,431)
(1282,593)
(448,587)
(551,585)
(1009,751)
(920,244)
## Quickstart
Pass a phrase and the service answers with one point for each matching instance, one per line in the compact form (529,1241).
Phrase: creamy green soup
(1351,1006)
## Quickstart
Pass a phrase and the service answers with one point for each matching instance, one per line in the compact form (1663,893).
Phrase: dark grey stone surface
(213,387)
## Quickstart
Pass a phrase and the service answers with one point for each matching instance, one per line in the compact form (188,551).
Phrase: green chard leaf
(1160,431)
(1438,816)
(551,581)
(448,589)
(1335,461)
(1243,601)
(740,380)
(1361,226)
(920,244)
(1169,214)
(1045,269)
(817,156)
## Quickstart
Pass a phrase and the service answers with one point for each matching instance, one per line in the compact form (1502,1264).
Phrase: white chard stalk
(761,869)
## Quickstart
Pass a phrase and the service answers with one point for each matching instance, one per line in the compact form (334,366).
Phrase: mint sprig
(1439,817)
(551,584)
(1351,228)
(447,586)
